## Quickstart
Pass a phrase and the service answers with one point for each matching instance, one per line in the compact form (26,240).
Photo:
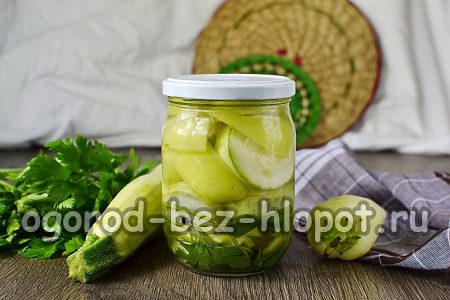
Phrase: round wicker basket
(329,39)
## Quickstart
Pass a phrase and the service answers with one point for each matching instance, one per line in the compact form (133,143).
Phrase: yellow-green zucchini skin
(102,249)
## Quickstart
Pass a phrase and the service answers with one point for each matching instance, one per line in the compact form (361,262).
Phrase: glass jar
(228,149)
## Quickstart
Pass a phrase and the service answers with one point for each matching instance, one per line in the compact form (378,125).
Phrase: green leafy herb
(39,249)
(207,254)
(73,244)
(81,176)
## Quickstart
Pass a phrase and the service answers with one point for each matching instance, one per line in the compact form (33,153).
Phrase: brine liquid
(228,186)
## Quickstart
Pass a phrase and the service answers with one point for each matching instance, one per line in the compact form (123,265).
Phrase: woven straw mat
(329,39)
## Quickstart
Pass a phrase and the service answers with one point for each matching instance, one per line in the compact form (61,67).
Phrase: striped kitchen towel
(416,232)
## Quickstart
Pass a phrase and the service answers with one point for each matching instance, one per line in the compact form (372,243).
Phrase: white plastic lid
(229,87)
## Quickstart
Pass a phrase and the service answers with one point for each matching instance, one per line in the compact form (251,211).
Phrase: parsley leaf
(234,256)
(73,244)
(39,249)
(42,171)
(80,176)
(13,223)
(3,209)
(67,153)
(66,204)
(207,254)
(10,174)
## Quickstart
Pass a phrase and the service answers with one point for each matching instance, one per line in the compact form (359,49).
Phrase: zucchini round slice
(269,131)
(257,167)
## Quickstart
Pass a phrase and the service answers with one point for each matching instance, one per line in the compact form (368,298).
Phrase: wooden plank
(153,272)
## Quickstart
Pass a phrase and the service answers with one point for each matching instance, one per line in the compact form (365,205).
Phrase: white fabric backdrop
(95,68)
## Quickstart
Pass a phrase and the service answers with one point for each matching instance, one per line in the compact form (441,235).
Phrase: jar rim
(229,87)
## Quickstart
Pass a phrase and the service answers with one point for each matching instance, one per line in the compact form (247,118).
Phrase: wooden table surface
(153,272)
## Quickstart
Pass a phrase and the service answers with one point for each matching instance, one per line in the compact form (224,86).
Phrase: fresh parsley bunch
(82,176)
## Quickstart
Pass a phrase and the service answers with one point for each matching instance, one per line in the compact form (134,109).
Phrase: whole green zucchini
(106,246)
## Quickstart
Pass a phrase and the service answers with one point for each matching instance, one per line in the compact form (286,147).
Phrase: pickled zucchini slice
(186,198)
(252,162)
(222,147)
(209,176)
(250,205)
(170,174)
(270,131)
(187,132)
